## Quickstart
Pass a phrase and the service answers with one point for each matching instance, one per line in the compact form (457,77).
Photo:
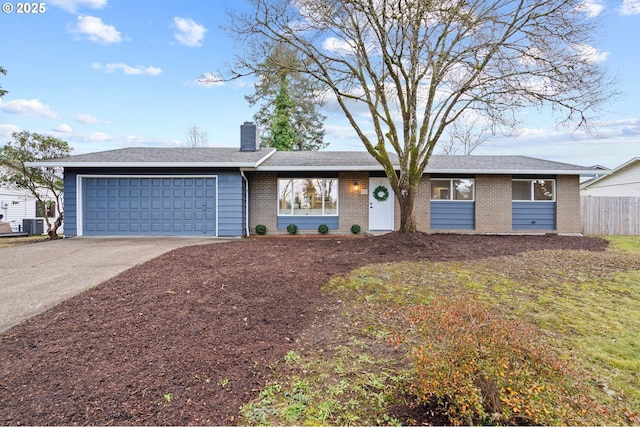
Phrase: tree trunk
(406,199)
(53,230)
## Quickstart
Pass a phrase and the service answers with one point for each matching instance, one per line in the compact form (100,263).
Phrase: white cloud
(96,30)
(630,7)
(334,44)
(632,121)
(127,69)
(137,141)
(73,5)
(593,8)
(592,54)
(104,141)
(188,33)
(27,107)
(63,128)
(88,119)
(7,130)
(92,137)
(209,80)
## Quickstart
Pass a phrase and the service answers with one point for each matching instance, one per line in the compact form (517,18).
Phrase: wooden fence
(611,215)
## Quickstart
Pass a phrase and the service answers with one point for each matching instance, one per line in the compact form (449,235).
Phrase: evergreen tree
(288,116)
(281,134)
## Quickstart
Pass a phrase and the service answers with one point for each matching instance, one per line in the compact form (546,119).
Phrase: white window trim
(291,214)
(451,190)
(532,193)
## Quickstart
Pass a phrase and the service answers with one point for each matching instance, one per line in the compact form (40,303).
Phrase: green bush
(323,229)
(484,369)
(355,228)
(292,228)
(261,229)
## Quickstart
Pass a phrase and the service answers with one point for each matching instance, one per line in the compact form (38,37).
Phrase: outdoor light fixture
(355,185)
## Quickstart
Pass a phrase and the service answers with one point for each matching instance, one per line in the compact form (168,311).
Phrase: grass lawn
(544,337)
(7,242)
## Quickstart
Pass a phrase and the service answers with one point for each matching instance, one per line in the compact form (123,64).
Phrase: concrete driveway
(35,277)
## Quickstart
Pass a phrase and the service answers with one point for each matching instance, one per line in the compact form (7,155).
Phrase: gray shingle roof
(499,164)
(163,156)
(270,160)
(361,160)
(321,160)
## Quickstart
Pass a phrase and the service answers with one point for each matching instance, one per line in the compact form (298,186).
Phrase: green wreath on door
(381,193)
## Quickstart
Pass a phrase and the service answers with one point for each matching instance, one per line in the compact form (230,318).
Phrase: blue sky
(105,74)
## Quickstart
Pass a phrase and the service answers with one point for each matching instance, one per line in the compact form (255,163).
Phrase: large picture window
(452,189)
(308,196)
(535,190)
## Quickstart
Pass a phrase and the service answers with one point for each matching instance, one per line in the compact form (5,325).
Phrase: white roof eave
(317,168)
(426,172)
(511,171)
(51,164)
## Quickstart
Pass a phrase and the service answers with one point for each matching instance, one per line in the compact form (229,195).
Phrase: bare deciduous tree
(464,138)
(194,137)
(418,65)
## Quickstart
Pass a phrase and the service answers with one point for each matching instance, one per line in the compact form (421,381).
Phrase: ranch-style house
(226,192)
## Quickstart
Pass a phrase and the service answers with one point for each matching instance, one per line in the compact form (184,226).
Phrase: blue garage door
(163,206)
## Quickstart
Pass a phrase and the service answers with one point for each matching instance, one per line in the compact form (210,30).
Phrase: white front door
(380,205)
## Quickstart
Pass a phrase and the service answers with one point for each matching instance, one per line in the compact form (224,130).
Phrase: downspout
(246,201)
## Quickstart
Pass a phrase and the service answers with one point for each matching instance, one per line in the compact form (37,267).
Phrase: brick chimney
(249,140)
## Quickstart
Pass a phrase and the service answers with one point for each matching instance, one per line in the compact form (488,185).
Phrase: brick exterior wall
(353,205)
(568,213)
(263,200)
(422,205)
(493,204)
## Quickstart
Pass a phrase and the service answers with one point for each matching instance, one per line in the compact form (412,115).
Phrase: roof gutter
(139,164)
(432,171)
(511,171)
(337,168)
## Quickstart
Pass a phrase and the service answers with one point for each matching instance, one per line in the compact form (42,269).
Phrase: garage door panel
(149,206)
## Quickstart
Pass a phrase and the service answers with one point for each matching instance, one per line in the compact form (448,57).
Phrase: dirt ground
(187,338)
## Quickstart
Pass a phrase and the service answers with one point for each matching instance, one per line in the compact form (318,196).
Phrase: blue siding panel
(533,216)
(121,207)
(230,212)
(452,215)
(70,220)
(308,222)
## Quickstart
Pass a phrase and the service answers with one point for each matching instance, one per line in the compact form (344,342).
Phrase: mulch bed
(188,337)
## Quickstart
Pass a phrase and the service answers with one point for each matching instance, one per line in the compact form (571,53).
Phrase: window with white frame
(47,209)
(308,196)
(452,189)
(533,190)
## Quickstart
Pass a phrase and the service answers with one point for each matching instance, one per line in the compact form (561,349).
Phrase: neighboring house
(611,203)
(227,192)
(16,205)
(623,181)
